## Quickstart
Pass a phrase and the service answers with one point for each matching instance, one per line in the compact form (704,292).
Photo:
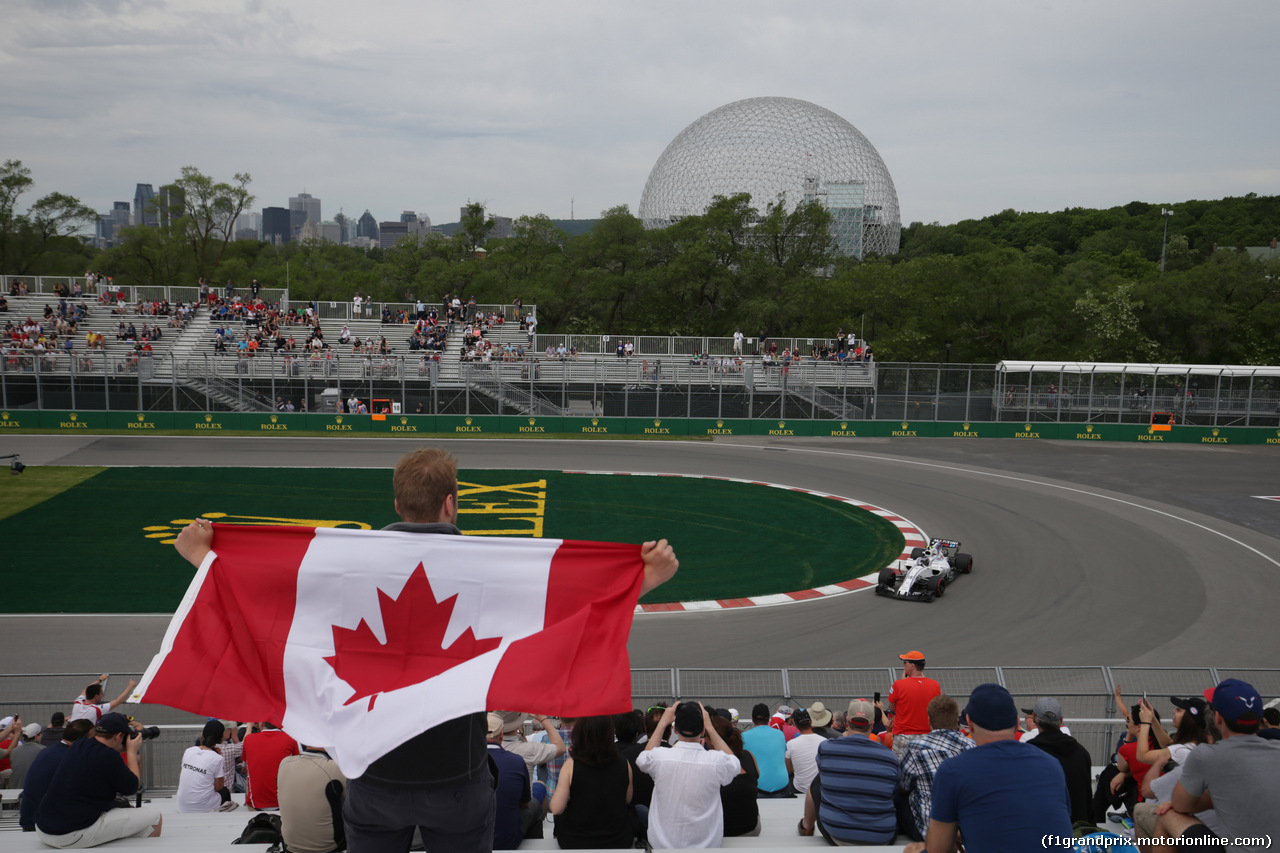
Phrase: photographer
(79,807)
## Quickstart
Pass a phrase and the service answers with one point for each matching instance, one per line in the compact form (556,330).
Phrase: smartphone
(877,697)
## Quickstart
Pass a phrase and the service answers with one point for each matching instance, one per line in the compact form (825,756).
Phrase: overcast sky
(417,104)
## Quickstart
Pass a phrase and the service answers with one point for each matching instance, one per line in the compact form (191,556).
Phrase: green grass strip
(39,483)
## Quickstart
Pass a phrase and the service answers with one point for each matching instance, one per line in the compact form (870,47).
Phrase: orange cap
(912,656)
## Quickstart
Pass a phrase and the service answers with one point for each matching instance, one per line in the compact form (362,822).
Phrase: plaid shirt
(920,761)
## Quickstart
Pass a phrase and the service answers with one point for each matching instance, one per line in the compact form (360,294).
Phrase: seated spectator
(629,728)
(77,809)
(1270,726)
(311,789)
(921,760)
(202,785)
(264,747)
(738,798)
(1077,766)
(91,704)
(1001,795)
(1237,777)
(1192,726)
(802,751)
(53,732)
(535,754)
(1031,729)
(42,770)
(593,795)
(10,737)
(25,752)
(821,719)
(851,798)
(686,810)
(513,816)
(768,746)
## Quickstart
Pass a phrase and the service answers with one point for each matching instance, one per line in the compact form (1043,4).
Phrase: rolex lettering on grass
(363,639)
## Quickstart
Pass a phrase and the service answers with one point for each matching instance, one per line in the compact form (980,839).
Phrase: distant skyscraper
(344,227)
(367,227)
(144,205)
(275,225)
(170,204)
(390,232)
(308,204)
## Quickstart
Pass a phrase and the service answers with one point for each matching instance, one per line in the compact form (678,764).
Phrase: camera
(147,733)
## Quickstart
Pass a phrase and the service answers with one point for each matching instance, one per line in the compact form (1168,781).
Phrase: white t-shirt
(195,785)
(86,710)
(803,752)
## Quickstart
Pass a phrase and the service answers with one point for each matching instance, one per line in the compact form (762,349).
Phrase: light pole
(1165,214)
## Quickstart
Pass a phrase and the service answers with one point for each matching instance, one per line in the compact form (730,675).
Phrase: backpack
(263,828)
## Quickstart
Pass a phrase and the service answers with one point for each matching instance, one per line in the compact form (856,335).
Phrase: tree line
(1078,284)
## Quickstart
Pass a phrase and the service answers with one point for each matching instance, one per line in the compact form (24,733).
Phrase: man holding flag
(466,625)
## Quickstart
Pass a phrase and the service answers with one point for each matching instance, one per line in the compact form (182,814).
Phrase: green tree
(45,239)
(205,213)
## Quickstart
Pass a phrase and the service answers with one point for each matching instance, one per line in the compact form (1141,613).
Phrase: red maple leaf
(414,624)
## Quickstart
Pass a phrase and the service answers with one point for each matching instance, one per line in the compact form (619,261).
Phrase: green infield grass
(100,540)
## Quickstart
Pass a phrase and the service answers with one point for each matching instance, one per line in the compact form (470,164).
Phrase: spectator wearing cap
(43,769)
(1032,729)
(821,719)
(921,760)
(1192,726)
(908,702)
(769,748)
(1239,777)
(851,798)
(1000,795)
(781,720)
(202,785)
(686,810)
(28,747)
(10,733)
(802,751)
(77,808)
(513,814)
(1077,765)
(535,753)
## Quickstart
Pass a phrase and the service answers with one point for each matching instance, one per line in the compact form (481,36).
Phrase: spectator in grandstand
(1239,777)
(802,751)
(91,704)
(42,770)
(27,748)
(908,702)
(230,748)
(53,732)
(311,788)
(1120,784)
(535,753)
(738,798)
(77,808)
(592,800)
(513,815)
(1077,766)
(264,747)
(1001,795)
(10,737)
(781,720)
(851,799)
(686,810)
(629,728)
(821,718)
(1030,729)
(768,746)
(202,784)
(1192,726)
(1270,725)
(921,760)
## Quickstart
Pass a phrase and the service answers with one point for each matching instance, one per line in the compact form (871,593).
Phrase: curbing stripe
(914,536)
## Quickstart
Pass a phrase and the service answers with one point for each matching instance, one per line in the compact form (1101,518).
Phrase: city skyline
(563,108)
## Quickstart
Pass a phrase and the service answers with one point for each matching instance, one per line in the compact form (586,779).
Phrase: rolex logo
(275,418)
(141,417)
(966,426)
(1089,428)
(844,425)
(1027,427)
(74,416)
(4,416)
(532,421)
(1215,430)
(719,424)
(404,420)
(657,423)
(782,424)
(905,424)
(208,419)
(468,421)
(338,419)
(595,422)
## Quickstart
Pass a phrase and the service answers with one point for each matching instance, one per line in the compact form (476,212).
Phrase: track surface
(1118,555)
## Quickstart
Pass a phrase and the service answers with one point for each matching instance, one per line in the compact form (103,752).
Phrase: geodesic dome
(772,146)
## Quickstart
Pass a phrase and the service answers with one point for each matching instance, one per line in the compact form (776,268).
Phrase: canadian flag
(358,640)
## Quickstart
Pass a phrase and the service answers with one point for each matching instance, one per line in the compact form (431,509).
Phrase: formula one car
(926,575)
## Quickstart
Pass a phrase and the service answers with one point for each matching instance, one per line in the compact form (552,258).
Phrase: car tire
(964,563)
(917,553)
(938,587)
(886,578)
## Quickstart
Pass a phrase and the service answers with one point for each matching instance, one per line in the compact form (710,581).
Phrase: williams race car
(927,574)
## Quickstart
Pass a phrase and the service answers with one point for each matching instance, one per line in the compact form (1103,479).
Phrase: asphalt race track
(1114,554)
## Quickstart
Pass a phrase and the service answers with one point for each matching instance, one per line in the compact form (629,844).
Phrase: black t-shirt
(89,778)
(741,812)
